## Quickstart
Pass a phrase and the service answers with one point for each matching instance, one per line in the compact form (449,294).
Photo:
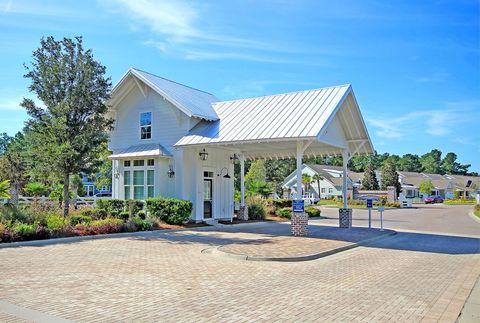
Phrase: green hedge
(134,206)
(312,212)
(172,211)
(279,204)
(285,212)
(111,205)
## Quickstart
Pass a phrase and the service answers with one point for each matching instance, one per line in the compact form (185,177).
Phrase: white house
(330,185)
(176,141)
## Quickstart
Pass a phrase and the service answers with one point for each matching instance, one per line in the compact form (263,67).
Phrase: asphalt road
(432,218)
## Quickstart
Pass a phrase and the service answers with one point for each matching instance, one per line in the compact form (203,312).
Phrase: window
(323,190)
(146,125)
(150,183)
(330,190)
(151,162)
(126,184)
(126,163)
(138,184)
(208,174)
(138,163)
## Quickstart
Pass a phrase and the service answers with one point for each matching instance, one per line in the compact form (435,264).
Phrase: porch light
(170,172)
(224,176)
(116,173)
(203,154)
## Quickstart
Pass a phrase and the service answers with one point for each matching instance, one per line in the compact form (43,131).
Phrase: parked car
(433,199)
(103,194)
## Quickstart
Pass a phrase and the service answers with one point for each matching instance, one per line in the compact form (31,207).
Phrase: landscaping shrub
(111,205)
(172,211)
(12,213)
(101,213)
(257,207)
(285,212)
(392,204)
(124,215)
(312,212)
(134,206)
(88,212)
(104,226)
(357,202)
(42,233)
(459,201)
(76,219)
(142,214)
(56,222)
(114,214)
(141,224)
(25,231)
(279,204)
(6,234)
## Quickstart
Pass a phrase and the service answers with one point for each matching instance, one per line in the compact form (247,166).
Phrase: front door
(207,198)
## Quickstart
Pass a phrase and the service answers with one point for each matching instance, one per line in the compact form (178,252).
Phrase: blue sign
(298,206)
(369,203)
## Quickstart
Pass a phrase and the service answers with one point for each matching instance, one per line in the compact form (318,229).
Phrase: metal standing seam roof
(193,102)
(148,150)
(293,115)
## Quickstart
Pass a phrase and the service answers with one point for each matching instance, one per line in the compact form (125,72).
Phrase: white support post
(242,180)
(344,186)
(299,169)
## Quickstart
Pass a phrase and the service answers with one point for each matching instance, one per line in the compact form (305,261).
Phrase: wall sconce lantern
(203,154)
(116,173)
(170,172)
(224,176)
(233,158)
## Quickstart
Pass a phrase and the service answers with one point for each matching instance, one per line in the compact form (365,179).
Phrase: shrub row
(171,211)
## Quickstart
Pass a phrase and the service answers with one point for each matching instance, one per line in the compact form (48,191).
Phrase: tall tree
(256,173)
(390,175)
(318,178)
(5,140)
(409,163)
(426,187)
(12,168)
(370,181)
(451,166)
(4,189)
(431,162)
(306,181)
(69,131)
(104,171)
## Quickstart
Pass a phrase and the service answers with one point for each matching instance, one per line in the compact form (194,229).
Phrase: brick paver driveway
(164,276)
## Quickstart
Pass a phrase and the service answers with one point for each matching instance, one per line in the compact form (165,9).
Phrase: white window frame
(145,168)
(140,125)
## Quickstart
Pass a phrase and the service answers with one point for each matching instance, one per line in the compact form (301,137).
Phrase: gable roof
(193,102)
(296,115)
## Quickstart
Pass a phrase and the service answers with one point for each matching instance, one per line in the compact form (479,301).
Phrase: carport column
(243,212)
(345,214)
(299,219)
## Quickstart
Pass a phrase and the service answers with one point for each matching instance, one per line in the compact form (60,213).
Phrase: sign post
(381,209)
(369,207)
(298,206)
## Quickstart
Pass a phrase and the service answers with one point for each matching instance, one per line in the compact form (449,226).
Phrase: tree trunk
(66,198)
(14,194)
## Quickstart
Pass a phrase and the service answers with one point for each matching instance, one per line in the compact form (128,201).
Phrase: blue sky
(414,65)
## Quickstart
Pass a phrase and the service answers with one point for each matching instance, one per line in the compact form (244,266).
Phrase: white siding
(168,123)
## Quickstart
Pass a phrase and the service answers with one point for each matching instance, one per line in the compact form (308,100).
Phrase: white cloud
(35,8)
(438,77)
(440,122)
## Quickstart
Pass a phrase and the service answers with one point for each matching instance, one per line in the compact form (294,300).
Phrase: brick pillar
(299,223)
(345,218)
(243,213)
(391,194)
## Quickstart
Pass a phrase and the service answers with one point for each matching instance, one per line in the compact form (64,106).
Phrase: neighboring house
(330,186)
(173,140)
(91,189)
(445,186)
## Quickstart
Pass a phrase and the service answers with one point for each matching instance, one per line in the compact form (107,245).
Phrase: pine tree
(390,175)
(370,181)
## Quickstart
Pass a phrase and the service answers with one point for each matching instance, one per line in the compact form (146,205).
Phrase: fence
(81,201)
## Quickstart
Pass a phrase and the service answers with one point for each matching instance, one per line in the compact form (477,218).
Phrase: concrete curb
(217,252)
(474,217)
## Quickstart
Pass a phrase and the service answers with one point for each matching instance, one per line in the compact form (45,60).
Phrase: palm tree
(4,188)
(317,178)
(306,181)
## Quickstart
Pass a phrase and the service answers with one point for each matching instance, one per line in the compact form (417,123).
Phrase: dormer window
(145,125)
